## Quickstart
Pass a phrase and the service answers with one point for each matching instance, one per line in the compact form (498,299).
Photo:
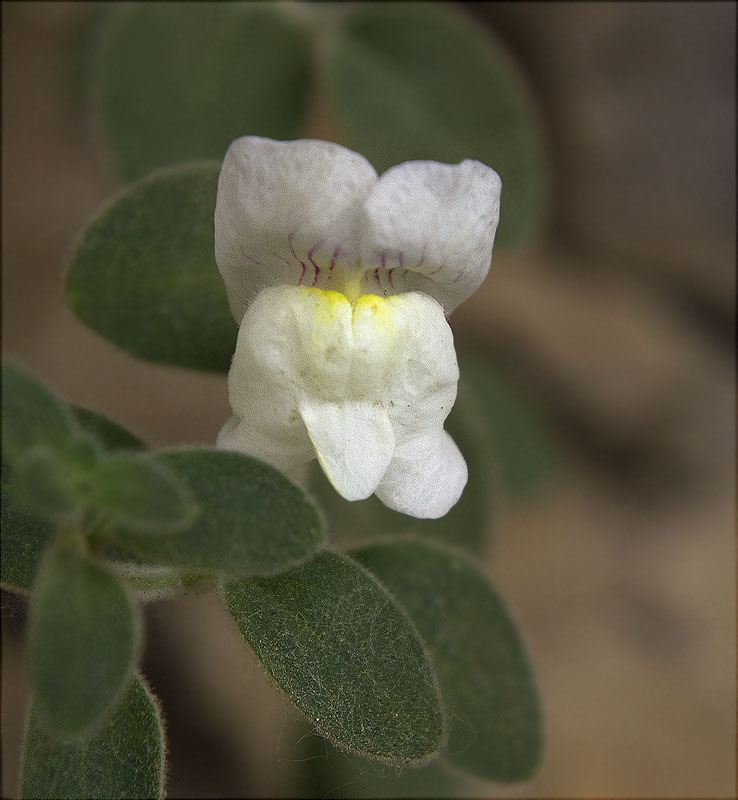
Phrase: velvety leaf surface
(144,274)
(249,518)
(41,485)
(83,639)
(346,655)
(124,759)
(423,81)
(31,414)
(107,432)
(33,419)
(139,492)
(24,533)
(326,773)
(180,82)
(489,695)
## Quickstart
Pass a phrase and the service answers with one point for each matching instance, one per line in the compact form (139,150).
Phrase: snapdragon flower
(341,282)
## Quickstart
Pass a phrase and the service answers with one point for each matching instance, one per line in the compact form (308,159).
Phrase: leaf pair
(57,469)
(94,728)
(201,510)
(414,657)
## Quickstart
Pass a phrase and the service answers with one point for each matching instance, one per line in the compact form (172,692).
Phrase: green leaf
(144,275)
(249,518)
(423,81)
(31,414)
(124,759)
(40,483)
(180,82)
(108,433)
(139,492)
(24,534)
(83,639)
(489,694)
(324,772)
(346,656)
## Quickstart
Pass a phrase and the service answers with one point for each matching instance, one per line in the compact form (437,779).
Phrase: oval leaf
(180,82)
(345,654)
(144,275)
(488,690)
(422,81)
(83,639)
(124,759)
(249,518)
(31,414)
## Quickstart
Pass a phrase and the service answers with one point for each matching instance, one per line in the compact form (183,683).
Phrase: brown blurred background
(619,322)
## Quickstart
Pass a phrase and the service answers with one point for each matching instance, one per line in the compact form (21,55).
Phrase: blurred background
(616,321)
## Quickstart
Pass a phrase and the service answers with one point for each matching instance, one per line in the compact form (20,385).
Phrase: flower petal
(421,377)
(430,227)
(285,211)
(426,476)
(354,443)
(291,341)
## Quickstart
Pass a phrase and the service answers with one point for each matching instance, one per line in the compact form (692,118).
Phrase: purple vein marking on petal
(315,266)
(333,259)
(389,277)
(422,260)
(383,258)
(376,277)
(294,255)
(247,256)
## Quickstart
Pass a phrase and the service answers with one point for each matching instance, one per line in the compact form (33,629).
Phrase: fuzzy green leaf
(83,639)
(124,759)
(24,534)
(345,654)
(423,81)
(139,492)
(31,414)
(249,519)
(38,425)
(144,274)
(487,686)
(323,771)
(108,433)
(180,82)
(40,483)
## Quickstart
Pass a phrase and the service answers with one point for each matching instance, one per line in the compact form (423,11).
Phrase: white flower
(341,282)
